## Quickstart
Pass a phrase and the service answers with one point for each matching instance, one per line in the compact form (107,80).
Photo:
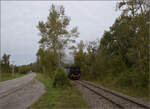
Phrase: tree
(55,36)
(5,63)
(85,57)
(133,7)
(80,58)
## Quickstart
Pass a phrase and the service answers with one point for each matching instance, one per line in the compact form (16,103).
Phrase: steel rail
(128,99)
(117,104)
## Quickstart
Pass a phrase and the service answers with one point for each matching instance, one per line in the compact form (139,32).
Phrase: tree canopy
(55,37)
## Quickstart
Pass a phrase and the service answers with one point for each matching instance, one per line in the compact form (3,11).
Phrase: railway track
(118,100)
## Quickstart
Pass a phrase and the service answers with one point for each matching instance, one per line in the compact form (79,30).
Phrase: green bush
(60,80)
(132,79)
(23,70)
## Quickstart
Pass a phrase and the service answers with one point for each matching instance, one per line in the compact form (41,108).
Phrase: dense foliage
(122,53)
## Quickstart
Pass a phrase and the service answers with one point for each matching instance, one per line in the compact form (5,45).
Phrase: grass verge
(58,97)
(9,76)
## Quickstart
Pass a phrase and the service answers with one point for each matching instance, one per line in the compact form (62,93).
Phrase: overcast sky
(19,35)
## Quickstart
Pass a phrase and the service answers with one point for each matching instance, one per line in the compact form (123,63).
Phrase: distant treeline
(6,67)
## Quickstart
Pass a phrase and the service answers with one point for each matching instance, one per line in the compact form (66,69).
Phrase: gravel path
(22,98)
(6,86)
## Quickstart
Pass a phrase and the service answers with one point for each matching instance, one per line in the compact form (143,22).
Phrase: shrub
(23,70)
(133,79)
(60,79)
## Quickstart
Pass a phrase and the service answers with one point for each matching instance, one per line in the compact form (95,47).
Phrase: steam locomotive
(73,73)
